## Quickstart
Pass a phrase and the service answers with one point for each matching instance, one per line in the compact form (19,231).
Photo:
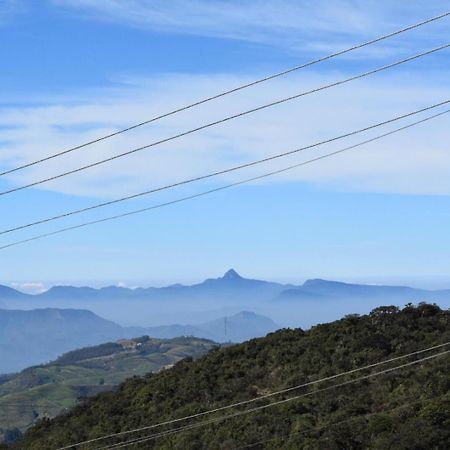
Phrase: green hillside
(405,409)
(45,391)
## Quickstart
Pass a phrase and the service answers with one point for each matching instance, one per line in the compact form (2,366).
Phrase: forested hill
(404,409)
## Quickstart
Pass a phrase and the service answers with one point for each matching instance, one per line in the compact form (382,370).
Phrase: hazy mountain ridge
(237,328)
(317,288)
(232,286)
(40,335)
(288,305)
(37,336)
(9,292)
(230,282)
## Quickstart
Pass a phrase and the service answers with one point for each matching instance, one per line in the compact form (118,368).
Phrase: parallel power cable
(263,407)
(334,424)
(240,167)
(227,92)
(255,399)
(211,191)
(226,119)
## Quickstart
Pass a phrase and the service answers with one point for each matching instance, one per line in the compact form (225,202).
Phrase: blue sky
(76,69)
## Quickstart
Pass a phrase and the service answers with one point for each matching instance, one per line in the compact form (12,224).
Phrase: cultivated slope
(280,360)
(46,390)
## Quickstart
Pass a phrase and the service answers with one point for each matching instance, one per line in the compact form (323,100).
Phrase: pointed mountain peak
(231,275)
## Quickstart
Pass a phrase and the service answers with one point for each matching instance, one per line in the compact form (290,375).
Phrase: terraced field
(46,390)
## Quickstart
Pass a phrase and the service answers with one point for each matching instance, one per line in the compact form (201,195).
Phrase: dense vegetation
(46,390)
(405,409)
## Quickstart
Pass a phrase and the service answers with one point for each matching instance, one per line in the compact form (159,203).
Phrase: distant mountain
(37,336)
(231,284)
(40,335)
(232,281)
(10,293)
(232,287)
(50,388)
(88,293)
(324,289)
(237,328)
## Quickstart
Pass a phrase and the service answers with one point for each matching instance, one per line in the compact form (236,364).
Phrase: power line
(263,407)
(236,168)
(201,194)
(341,422)
(240,413)
(255,399)
(211,191)
(227,92)
(226,119)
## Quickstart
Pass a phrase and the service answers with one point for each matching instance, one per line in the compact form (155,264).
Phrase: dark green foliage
(406,409)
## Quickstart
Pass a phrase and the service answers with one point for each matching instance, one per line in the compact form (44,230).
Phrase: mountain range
(231,286)
(289,305)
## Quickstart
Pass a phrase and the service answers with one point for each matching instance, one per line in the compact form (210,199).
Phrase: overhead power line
(255,399)
(270,405)
(231,169)
(334,424)
(226,119)
(230,91)
(221,188)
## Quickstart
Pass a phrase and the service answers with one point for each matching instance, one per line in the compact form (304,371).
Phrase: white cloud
(416,161)
(293,25)
(29,287)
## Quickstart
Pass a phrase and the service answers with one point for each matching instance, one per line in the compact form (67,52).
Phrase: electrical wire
(333,424)
(201,194)
(226,119)
(255,399)
(231,169)
(263,407)
(227,92)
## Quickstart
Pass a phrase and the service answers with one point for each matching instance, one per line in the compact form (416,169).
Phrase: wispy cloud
(417,161)
(293,25)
